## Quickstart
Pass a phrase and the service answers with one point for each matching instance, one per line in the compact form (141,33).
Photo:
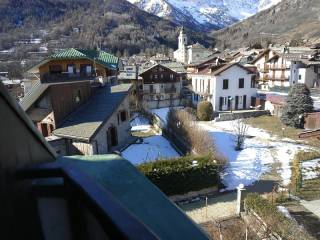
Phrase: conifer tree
(298,103)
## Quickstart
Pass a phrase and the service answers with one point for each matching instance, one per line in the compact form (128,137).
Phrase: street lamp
(230,99)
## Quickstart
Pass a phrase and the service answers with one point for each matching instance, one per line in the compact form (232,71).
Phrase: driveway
(312,206)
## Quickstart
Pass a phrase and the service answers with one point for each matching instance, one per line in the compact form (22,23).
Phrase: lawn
(273,125)
(310,190)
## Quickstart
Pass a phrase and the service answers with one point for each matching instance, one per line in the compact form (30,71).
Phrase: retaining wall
(244,114)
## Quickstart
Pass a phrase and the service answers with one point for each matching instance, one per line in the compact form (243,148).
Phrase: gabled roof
(85,122)
(260,55)
(100,57)
(217,70)
(33,94)
(173,66)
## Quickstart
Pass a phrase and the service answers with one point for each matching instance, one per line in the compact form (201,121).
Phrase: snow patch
(151,149)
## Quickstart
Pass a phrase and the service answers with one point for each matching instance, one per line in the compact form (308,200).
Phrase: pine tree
(299,102)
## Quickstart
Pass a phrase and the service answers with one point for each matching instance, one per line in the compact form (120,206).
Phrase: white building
(181,54)
(228,86)
(189,54)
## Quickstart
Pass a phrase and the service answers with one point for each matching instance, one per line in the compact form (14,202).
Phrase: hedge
(179,176)
(274,219)
(296,177)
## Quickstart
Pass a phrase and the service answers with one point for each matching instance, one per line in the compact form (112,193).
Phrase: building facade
(228,87)
(162,86)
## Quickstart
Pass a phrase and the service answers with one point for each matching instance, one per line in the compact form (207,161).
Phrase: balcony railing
(170,90)
(65,77)
(281,67)
(81,190)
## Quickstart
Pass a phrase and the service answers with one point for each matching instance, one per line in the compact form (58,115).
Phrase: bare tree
(240,129)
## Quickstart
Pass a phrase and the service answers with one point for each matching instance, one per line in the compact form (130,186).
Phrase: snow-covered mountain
(208,13)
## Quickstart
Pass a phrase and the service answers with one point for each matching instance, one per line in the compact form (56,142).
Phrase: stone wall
(244,114)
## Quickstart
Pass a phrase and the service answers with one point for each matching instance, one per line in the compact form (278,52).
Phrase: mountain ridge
(290,21)
(205,14)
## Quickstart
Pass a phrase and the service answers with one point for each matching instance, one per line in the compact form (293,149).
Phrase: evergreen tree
(299,101)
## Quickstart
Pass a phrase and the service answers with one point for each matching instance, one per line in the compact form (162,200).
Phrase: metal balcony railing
(115,220)
(170,90)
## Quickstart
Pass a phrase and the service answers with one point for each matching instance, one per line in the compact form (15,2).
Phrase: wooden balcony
(170,90)
(66,77)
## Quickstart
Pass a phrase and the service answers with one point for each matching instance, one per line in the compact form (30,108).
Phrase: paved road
(312,206)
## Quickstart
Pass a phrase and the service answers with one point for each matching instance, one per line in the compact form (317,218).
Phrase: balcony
(170,90)
(281,67)
(77,197)
(66,77)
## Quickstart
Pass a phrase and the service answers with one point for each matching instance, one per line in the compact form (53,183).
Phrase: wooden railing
(65,77)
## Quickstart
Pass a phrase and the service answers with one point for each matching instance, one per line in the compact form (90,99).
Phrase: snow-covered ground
(310,169)
(285,212)
(140,123)
(152,148)
(260,152)
(162,113)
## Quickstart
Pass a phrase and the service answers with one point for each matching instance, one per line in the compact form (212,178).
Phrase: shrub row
(181,124)
(181,175)
(274,219)
(296,177)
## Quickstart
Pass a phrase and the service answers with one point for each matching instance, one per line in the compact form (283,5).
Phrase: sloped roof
(173,66)
(221,68)
(33,94)
(100,57)
(84,123)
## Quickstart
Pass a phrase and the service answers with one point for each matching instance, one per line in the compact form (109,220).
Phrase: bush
(275,220)
(204,111)
(179,176)
(299,102)
(182,128)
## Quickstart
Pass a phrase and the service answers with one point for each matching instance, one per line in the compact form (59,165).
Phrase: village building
(284,67)
(101,125)
(189,53)
(68,82)
(162,84)
(230,86)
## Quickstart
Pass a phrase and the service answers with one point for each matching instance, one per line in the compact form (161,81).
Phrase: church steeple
(182,39)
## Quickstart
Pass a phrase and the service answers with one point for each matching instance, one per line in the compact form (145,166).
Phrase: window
(151,88)
(161,76)
(171,76)
(253,81)
(155,76)
(225,84)
(240,100)
(225,101)
(300,77)
(241,82)
(123,116)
